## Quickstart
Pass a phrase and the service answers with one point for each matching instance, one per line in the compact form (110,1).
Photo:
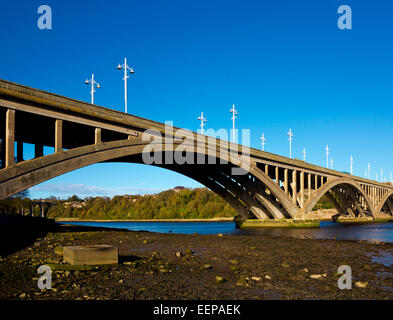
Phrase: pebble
(305,270)
(256,278)
(121,281)
(268,277)
(22,296)
(188,251)
(361,284)
(179,254)
(219,279)
(206,267)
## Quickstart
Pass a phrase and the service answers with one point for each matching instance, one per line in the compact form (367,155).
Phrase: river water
(373,232)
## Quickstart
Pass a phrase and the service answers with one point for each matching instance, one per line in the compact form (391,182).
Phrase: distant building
(178,188)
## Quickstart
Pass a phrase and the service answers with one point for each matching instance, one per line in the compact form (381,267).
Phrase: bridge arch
(331,185)
(29,173)
(387,200)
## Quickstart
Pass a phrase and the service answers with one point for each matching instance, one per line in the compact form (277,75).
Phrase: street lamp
(93,85)
(263,141)
(290,134)
(234,114)
(126,76)
(203,120)
(327,156)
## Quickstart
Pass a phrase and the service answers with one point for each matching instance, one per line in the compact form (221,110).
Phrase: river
(370,232)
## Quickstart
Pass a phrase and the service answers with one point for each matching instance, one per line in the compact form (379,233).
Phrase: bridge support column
(302,189)
(59,135)
(42,210)
(97,136)
(10,138)
(316,183)
(286,181)
(294,187)
(277,176)
(309,184)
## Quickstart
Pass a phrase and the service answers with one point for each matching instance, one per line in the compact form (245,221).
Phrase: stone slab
(91,254)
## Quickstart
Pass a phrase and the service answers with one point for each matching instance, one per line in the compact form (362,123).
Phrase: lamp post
(203,119)
(290,134)
(126,76)
(263,141)
(234,114)
(327,156)
(93,85)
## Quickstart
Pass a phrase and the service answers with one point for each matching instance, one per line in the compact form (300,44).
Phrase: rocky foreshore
(174,266)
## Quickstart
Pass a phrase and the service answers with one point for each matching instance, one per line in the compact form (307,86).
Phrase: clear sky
(284,64)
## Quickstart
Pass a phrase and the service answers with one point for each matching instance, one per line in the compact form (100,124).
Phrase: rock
(188,251)
(367,267)
(128,262)
(315,276)
(22,296)
(233,268)
(179,254)
(256,278)
(234,262)
(59,251)
(361,284)
(243,281)
(121,281)
(220,235)
(268,277)
(305,270)
(206,267)
(219,279)
(285,265)
(145,242)
(121,241)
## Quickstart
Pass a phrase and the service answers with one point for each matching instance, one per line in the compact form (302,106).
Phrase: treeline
(198,203)
(185,204)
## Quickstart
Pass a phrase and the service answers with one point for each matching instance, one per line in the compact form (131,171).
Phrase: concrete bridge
(257,184)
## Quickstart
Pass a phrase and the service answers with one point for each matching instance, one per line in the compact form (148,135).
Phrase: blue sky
(284,64)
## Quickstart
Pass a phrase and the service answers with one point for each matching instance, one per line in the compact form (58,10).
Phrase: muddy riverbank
(151,267)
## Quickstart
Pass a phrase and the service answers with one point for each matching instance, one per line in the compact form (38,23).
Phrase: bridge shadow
(20,232)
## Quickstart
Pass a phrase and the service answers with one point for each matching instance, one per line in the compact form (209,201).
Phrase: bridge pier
(10,138)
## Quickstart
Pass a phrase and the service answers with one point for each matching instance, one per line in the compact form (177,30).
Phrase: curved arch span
(385,199)
(312,201)
(32,172)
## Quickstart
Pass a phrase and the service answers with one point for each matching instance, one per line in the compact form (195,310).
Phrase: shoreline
(230,219)
(181,267)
